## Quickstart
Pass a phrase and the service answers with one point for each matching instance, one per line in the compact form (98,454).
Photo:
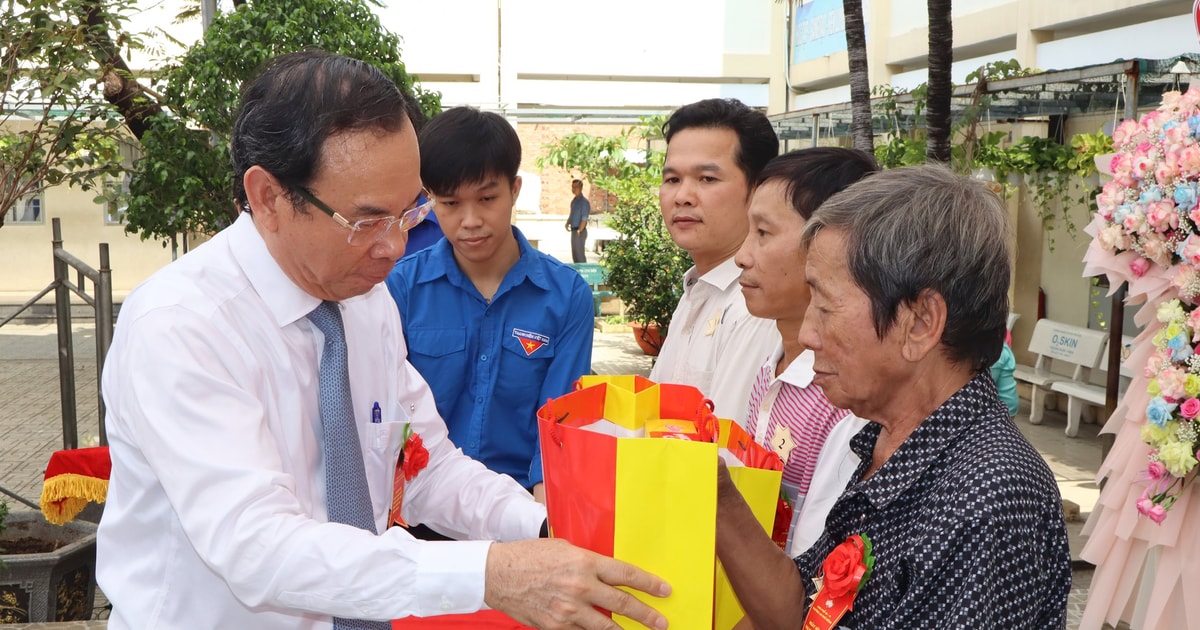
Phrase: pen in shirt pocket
(376,414)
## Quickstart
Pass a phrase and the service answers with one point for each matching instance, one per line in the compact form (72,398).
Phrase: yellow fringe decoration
(64,496)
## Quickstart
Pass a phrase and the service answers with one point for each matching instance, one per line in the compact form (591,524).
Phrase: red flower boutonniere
(413,459)
(843,574)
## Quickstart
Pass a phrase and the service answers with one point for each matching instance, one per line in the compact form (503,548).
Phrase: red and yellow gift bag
(758,479)
(630,471)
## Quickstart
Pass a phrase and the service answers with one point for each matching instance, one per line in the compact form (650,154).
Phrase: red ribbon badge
(413,458)
(843,574)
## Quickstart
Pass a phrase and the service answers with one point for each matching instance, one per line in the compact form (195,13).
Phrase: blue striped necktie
(347,497)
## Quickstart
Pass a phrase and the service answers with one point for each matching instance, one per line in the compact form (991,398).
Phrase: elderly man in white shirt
(218,511)
(715,149)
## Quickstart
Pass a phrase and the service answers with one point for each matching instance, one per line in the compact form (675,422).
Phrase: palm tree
(941,55)
(860,86)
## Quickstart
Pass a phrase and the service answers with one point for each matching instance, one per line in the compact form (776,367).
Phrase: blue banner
(819,29)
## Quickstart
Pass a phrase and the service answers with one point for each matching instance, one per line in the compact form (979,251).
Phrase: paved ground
(30,422)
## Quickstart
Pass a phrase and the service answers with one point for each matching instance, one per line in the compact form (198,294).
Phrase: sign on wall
(819,28)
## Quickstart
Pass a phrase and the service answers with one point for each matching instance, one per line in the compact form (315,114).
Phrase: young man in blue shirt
(495,326)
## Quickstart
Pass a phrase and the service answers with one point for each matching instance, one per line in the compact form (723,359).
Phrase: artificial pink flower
(1135,221)
(1139,267)
(1189,159)
(1165,172)
(1142,164)
(1193,322)
(1176,134)
(1161,215)
(1189,409)
(1157,514)
(1190,249)
(1171,381)
(1124,132)
(1156,470)
(1144,505)
(1156,249)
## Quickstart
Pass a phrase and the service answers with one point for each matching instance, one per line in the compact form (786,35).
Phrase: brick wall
(556,183)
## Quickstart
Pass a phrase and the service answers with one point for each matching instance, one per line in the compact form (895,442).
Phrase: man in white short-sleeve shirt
(715,149)
(218,514)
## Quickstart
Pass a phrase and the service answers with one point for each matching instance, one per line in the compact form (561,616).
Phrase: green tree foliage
(183,181)
(644,264)
(55,126)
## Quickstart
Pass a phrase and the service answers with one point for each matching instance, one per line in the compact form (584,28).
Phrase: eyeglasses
(371,231)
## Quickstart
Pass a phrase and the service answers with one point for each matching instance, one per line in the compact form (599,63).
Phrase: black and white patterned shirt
(966,522)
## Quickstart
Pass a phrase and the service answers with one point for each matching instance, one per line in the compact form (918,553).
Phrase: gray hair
(923,227)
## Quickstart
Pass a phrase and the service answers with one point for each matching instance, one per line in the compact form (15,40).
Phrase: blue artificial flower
(1185,196)
(1180,347)
(1159,411)
(1194,123)
(1120,213)
(1152,193)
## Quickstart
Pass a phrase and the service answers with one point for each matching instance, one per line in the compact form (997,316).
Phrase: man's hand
(553,585)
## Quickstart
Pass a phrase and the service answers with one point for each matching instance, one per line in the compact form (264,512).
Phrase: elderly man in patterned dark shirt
(909,272)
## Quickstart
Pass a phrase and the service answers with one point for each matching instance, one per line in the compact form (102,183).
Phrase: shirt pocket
(436,342)
(384,441)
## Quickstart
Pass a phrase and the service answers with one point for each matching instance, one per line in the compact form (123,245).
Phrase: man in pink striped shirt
(787,413)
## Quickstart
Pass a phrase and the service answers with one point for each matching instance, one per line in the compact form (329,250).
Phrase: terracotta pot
(647,338)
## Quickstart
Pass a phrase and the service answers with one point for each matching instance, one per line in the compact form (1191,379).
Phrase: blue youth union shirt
(491,365)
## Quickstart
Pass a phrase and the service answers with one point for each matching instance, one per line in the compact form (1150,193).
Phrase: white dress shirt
(835,467)
(216,506)
(714,343)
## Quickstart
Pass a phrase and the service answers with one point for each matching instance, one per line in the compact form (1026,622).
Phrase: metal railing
(100,299)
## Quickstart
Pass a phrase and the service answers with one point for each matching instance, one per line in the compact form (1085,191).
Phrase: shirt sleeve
(187,417)
(985,575)
(750,340)
(572,358)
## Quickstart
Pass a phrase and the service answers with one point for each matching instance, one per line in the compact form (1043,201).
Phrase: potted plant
(1088,148)
(47,572)
(644,265)
(1047,167)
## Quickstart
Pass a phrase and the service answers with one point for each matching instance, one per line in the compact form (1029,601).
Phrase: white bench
(1056,344)
(1081,393)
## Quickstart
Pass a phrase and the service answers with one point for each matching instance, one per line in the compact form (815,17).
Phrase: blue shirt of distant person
(495,326)
(491,364)
(1006,385)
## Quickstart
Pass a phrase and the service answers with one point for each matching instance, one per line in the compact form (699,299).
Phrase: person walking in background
(715,150)
(577,222)
(788,413)
(495,326)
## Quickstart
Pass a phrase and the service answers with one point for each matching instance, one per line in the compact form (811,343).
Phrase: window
(117,192)
(28,210)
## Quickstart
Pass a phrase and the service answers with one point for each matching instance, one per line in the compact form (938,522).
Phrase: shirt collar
(799,372)
(721,276)
(286,301)
(968,406)
(442,263)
